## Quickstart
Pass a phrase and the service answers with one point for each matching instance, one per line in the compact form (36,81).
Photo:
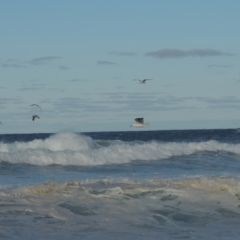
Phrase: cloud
(30,89)
(223,103)
(43,60)
(147,102)
(75,105)
(177,53)
(35,86)
(219,66)
(77,80)
(119,53)
(225,100)
(152,102)
(105,62)
(12,63)
(63,67)
(4,100)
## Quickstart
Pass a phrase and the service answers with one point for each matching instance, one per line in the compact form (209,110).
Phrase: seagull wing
(35,116)
(36,106)
(144,80)
(139,120)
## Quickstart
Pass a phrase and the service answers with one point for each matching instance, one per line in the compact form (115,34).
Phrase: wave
(202,205)
(80,150)
(136,189)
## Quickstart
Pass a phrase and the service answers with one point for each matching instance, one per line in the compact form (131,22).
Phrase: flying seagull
(35,116)
(36,106)
(142,81)
(139,123)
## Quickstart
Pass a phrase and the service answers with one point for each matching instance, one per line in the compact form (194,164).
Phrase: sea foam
(80,150)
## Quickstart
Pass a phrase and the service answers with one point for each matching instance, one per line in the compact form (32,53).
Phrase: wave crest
(75,149)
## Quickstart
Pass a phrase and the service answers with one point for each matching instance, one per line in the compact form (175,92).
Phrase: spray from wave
(80,150)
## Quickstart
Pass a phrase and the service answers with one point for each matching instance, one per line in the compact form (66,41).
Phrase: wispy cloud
(219,66)
(221,100)
(105,62)
(4,100)
(177,53)
(78,80)
(12,63)
(63,67)
(224,103)
(43,60)
(30,89)
(121,53)
(152,101)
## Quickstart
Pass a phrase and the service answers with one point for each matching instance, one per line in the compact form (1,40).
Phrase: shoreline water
(144,185)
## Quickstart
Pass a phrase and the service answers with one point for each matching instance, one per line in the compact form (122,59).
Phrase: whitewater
(120,185)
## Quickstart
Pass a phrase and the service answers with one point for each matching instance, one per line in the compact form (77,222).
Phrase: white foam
(75,149)
(146,208)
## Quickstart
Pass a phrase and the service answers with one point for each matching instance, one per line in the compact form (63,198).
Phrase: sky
(78,60)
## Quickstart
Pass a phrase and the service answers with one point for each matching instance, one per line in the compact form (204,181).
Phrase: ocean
(174,184)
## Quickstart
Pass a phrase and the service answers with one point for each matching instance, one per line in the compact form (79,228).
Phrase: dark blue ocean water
(114,185)
(140,155)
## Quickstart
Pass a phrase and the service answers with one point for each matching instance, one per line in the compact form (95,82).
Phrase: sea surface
(181,184)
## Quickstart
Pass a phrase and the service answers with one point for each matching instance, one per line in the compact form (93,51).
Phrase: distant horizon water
(37,127)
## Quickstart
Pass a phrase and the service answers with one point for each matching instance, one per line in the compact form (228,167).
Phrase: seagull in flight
(35,116)
(139,123)
(142,81)
(36,106)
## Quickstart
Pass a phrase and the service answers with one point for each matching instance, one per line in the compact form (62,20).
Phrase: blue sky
(77,59)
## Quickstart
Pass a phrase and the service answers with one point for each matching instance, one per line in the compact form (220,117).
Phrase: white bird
(36,106)
(142,81)
(35,116)
(139,123)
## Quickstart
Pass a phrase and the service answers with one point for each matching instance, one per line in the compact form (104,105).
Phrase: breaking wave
(80,150)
